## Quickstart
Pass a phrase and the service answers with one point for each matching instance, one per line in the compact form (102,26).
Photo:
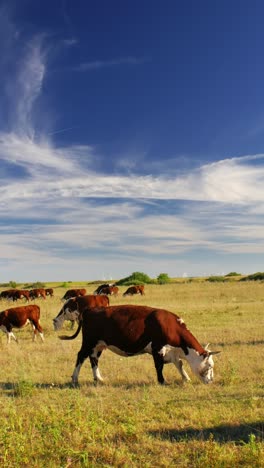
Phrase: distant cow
(7,294)
(102,286)
(73,293)
(20,294)
(18,317)
(110,291)
(129,330)
(49,292)
(74,307)
(138,289)
(36,293)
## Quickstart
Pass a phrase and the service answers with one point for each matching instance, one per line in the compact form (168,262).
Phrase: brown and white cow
(18,317)
(49,292)
(110,290)
(129,330)
(74,307)
(73,293)
(20,294)
(102,286)
(137,289)
(37,293)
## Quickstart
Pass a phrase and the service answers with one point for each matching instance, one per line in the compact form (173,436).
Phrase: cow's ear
(211,353)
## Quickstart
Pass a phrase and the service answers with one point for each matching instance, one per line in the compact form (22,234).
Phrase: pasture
(130,420)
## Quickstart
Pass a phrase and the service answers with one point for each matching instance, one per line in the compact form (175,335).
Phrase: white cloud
(57,214)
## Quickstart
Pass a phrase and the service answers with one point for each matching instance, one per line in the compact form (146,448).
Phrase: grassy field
(130,420)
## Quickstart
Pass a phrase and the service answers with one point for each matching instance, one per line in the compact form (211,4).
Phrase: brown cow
(49,292)
(137,289)
(18,317)
(7,294)
(74,307)
(102,286)
(73,293)
(20,294)
(110,291)
(129,330)
(36,293)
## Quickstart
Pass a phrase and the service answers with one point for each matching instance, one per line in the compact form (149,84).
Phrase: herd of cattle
(127,330)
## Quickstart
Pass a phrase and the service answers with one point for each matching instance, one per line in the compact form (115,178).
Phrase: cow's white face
(202,365)
(65,314)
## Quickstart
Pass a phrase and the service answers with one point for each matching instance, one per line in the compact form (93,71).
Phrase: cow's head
(68,312)
(202,364)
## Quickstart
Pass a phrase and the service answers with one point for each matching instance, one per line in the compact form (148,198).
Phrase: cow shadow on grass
(239,434)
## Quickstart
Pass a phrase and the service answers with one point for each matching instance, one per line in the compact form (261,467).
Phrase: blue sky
(131,138)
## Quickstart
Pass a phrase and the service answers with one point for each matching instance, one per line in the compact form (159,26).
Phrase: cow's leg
(81,356)
(9,334)
(37,327)
(179,364)
(94,364)
(159,363)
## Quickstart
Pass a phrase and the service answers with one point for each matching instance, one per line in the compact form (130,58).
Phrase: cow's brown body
(74,307)
(101,286)
(7,294)
(137,289)
(20,294)
(49,292)
(129,330)
(18,317)
(73,293)
(110,291)
(37,293)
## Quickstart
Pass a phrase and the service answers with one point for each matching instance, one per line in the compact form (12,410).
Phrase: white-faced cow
(137,289)
(18,317)
(49,292)
(102,286)
(73,293)
(37,293)
(110,291)
(129,330)
(74,307)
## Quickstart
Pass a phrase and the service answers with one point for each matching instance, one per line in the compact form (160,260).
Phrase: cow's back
(19,315)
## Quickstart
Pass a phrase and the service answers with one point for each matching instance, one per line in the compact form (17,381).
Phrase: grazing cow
(73,293)
(129,330)
(20,294)
(36,293)
(18,317)
(110,291)
(49,292)
(7,294)
(102,286)
(138,289)
(73,308)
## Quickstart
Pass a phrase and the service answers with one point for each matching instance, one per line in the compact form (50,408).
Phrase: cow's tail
(66,337)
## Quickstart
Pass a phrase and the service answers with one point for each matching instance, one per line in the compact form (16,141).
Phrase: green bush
(163,278)
(254,277)
(136,278)
(216,279)
(36,285)
(233,273)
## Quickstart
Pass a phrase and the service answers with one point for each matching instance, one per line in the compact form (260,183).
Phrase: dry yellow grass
(131,420)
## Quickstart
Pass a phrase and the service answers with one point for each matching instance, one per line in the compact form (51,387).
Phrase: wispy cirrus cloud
(98,64)
(65,208)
